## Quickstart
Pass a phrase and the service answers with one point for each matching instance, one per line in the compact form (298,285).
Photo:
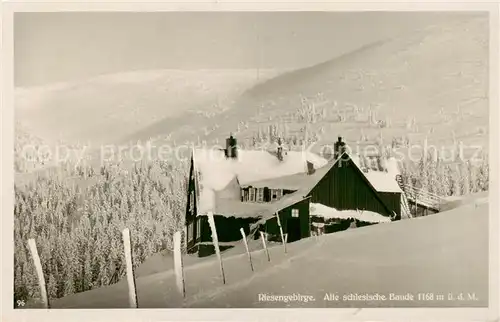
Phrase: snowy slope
(429,254)
(471,200)
(437,75)
(110,108)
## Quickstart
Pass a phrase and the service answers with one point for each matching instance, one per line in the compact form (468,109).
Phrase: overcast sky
(56,47)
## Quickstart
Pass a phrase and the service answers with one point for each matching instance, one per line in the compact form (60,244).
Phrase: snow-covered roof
(251,165)
(217,171)
(235,208)
(290,182)
(382,181)
(320,210)
(221,177)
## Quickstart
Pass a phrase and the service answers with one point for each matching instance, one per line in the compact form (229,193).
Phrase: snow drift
(320,210)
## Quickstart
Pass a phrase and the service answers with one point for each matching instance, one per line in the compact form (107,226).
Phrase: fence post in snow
(215,241)
(246,247)
(185,237)
(416,204)
(281,232)
(39,272)
(178,266)
(132,295)
(265,246)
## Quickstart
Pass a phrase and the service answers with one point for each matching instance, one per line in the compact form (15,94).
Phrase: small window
(251,194)
(295,213)
(198,228)
(274,194)
(260,194)
(191,203)
(191,232)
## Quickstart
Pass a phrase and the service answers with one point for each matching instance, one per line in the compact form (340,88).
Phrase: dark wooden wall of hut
(392,200)
(191,211)
(285,214)
(228,228)
(346,188)
(190,214)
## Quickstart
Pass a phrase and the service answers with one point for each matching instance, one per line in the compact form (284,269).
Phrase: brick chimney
(279,152)
(231,147)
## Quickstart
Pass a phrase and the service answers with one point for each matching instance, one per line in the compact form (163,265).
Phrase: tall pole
(178,265)
(39,272)
(246,248)
(132,294)
(215,241)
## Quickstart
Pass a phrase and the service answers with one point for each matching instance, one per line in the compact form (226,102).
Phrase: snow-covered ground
(472,200)
(446,253)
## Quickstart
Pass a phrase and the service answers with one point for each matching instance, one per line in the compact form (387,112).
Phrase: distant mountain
(109,108)
(437,75)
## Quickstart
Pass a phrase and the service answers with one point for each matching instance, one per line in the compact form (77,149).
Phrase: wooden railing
(423,197)
(405,207)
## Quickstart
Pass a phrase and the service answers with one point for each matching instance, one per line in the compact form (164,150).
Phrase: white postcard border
(397,314)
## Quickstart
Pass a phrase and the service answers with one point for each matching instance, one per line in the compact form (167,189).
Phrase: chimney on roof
(339,148)
(310,168)
(279,152)
(231,147)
